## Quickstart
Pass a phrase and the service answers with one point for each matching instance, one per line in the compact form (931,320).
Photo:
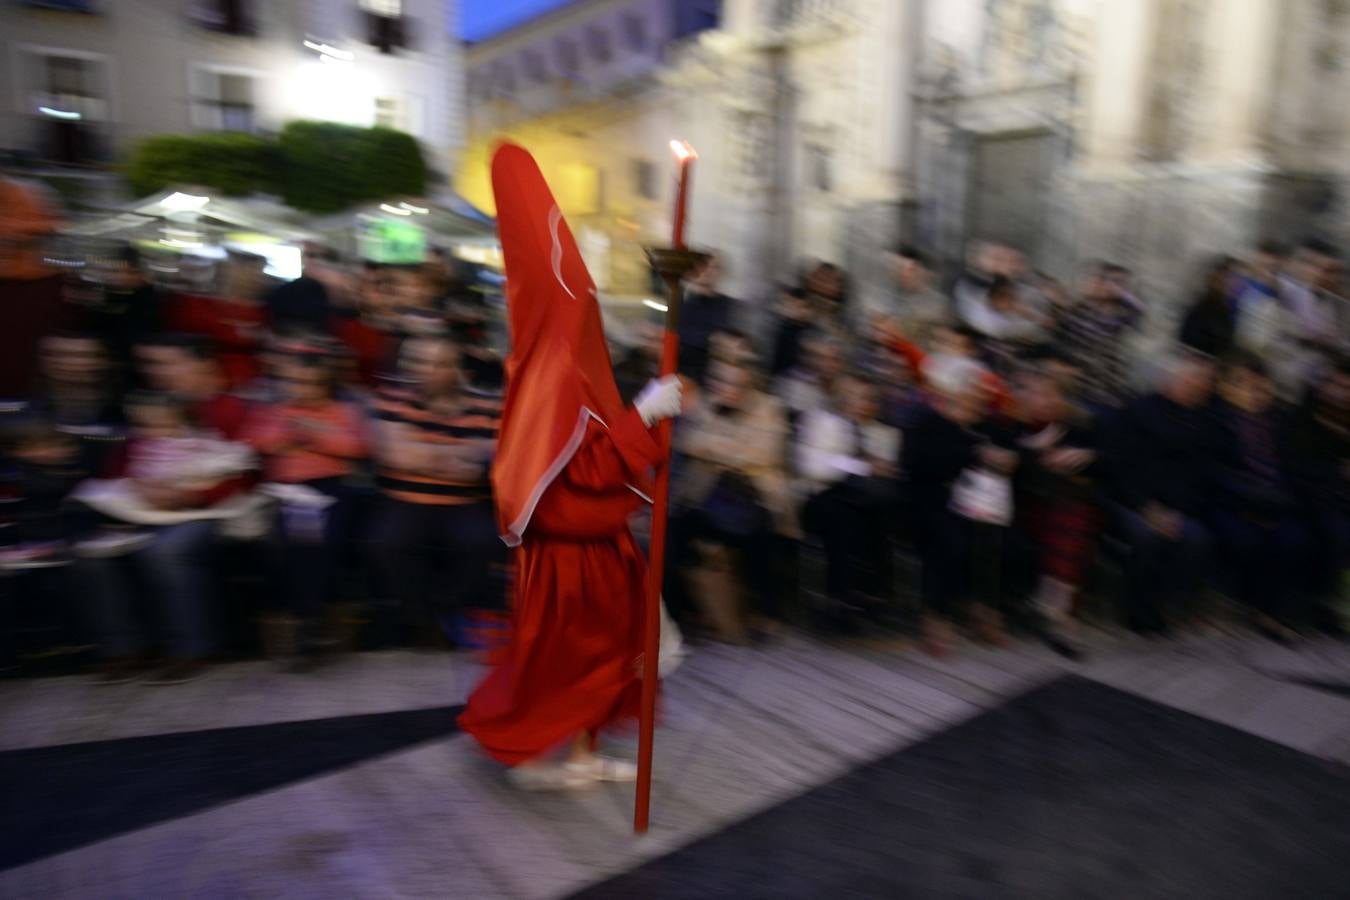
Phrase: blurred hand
(162,495)
(1164,521)
(1067,461)
(659,400)
(998,459)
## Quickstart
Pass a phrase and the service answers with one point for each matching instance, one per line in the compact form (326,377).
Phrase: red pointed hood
(558,374)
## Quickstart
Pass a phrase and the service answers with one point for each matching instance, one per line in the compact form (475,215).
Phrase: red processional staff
(672,264)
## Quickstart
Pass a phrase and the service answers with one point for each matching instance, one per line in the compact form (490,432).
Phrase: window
(644,179)
(635,32)
(597,42)
(68,87)
(67,91)
(226,16)
(504,79)
(387,113)
(569,59)
(693,16)
(223,100)
(386,27)
(535,67)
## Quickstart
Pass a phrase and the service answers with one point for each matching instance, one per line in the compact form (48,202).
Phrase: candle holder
(672,264)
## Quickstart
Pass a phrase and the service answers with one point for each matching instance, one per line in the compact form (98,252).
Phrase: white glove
(660,399)
(850,465)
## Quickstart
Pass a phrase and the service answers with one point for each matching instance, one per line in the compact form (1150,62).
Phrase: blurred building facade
(1152,132)
(82,80)
(580,87)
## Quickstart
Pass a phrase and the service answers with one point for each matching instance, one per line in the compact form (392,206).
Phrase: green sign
(392,242)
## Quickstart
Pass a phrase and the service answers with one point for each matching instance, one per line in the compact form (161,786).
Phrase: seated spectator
(795,320)
(183,365)
(1057,498)
(1256,523)
(305,303)
(181,484)
(1006,323)
(41,467)
(732,490)
(1161,461)
(958,464)
(1318,449)
(311,442)
(132,308)
(705,311)
(917,308)
(1210,325)
(233,322)
(77,395)
(434,442)
(1093,333)
(807,386)
(849,461)
(827,290)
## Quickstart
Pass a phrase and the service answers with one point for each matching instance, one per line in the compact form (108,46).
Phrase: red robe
(570,462)
(572,661)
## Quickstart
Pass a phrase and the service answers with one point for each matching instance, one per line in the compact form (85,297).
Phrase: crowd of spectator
(1007,434)
(185,463)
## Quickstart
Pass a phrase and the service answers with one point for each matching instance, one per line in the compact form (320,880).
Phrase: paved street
(744,730)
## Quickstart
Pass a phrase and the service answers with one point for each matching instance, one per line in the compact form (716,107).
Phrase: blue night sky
(479,19)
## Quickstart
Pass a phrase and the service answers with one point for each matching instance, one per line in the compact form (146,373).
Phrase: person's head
(36,442)
(126,271)
(1040,395)
(432,364)
(1217,283)
(824,356)
(732,344)
(1267,260)
(308,372)
(858,397)
(729,384)
(1007,261)
(911,269)
(157,414)
(74,359)
(1311,260)
(181,364)
(958,388)
(316,260)
(1105,282)
(1187,378)
(1331,279)
(956,340)
(795,304)
(828,282)
(1246,383)
(704,279)
(244,276)
(412,287)
(1002,294)
(1329,396)
(1067,373)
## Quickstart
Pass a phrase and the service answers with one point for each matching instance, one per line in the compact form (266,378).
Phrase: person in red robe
(570,469)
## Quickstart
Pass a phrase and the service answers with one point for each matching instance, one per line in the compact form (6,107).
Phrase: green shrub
(319,167)
(230,163)
(330,167)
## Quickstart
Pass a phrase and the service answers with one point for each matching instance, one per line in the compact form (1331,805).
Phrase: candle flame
(683,151)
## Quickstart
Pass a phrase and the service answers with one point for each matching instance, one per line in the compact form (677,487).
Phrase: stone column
(1242,40)
(1117,82)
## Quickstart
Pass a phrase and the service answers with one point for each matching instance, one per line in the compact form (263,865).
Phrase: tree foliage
(318,167)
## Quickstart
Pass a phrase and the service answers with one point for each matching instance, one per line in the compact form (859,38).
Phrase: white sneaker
(605,768)
(548,777)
